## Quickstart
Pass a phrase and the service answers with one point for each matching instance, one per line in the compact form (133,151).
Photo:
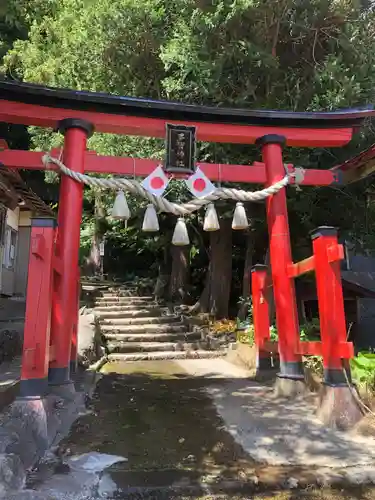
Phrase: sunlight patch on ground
(156,369)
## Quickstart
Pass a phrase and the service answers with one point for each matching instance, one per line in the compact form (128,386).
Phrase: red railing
(39,348)
(325,262)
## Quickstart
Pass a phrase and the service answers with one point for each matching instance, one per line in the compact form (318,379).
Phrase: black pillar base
(35,387)
(265,369)
(65,391)
(60,383)
(59,376)
(291,370)
(73,367)
(264,361)
(290,381)
(337,377)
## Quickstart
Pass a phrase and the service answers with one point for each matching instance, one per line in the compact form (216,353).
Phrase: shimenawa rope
(164,205)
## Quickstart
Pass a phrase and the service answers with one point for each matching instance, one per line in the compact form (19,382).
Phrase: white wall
(25,218)
(13,218)
(8,273)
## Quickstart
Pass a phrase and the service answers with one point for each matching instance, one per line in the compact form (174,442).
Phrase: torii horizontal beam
(139,167)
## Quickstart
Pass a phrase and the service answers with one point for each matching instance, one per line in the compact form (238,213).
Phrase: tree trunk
(94,257)
(203,303)
(164,274)
(246,281)
(216,293)
(270,294)
(180,273)
(93,261)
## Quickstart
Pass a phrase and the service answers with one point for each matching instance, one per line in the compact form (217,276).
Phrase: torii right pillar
(290,380)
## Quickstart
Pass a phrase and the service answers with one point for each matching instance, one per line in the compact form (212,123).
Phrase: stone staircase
(136,328)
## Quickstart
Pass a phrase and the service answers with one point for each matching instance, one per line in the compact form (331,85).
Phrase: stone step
(137,313)
(100,301)
(177,328)
(143,320)
(124,295)
(130,310)
(133,347)
(124,300)
(148,356)
(152,337)
(124,288)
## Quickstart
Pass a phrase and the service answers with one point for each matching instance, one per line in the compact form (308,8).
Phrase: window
(347,255)
(10,247)
(311,309)
(3,215)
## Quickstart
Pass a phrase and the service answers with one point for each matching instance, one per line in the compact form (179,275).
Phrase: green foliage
(246,334)
(314,364)
(17,17)
(310,330)
(363,369)
(274,336)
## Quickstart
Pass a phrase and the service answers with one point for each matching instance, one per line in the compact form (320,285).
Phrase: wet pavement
(162,421)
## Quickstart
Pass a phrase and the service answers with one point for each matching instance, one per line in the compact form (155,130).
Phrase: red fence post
(260,315)
(331,304)
(74,345)
(337,407)
(36,342)
(281,258)
(69,220)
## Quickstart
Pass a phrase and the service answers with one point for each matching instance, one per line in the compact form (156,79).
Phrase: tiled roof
(13,185)
(362,281)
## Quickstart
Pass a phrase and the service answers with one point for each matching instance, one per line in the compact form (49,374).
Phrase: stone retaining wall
(29,427)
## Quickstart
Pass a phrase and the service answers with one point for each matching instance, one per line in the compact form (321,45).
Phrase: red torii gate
(52,307)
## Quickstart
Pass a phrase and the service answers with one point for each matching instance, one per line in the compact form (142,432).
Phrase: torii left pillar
(64,301)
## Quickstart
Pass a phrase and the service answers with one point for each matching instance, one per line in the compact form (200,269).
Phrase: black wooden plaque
(180,149)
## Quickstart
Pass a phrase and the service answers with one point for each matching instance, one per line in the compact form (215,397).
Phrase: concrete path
(281,432)
(215,368)
(276,431)
(197,428)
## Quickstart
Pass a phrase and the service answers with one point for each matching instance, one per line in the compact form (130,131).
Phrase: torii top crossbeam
(22,103)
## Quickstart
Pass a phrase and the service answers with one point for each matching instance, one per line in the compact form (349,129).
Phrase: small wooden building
(18,204)
(359,300)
